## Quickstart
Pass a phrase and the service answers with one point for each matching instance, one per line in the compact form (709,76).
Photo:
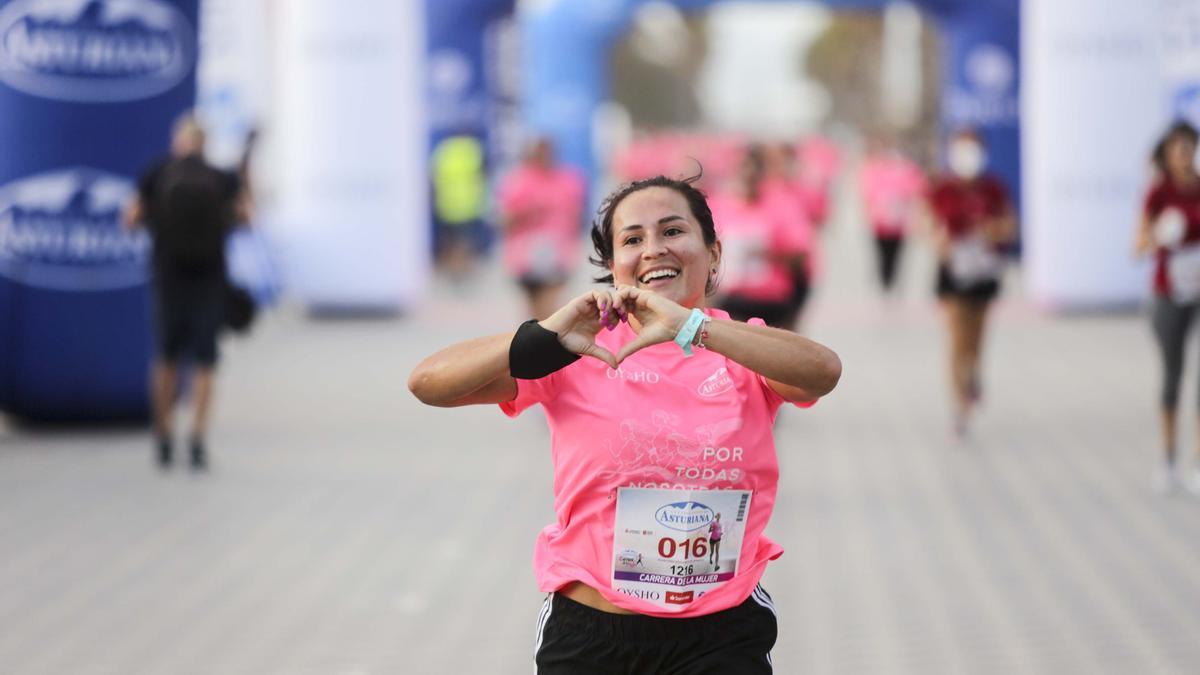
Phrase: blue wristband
(687,333)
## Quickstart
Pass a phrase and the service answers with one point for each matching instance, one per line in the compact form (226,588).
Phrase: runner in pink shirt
(541,210)
(892,188)
(765,249)
(781,186)
(669,422)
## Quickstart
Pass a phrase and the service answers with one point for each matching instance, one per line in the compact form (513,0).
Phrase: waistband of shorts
(638,627)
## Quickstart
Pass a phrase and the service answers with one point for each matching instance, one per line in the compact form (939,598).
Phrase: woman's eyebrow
(661,221)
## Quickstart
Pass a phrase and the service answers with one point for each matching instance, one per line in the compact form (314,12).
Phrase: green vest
(459,184)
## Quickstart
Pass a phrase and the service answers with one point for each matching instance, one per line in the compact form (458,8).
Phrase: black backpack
(192,213)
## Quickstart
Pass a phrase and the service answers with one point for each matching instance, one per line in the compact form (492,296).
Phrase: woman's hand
(581,319)
(659,318)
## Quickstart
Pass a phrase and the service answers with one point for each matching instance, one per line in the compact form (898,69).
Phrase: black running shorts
(574,639)
(189,313)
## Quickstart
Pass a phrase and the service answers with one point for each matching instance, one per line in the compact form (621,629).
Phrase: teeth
(659,274)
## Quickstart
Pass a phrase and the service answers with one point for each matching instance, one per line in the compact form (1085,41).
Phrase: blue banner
(981,53)
(89,90)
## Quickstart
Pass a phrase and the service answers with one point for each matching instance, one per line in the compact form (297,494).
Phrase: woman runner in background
(972,224)
(541,210)
(891,186)
(766,244)
(668,422)
(1170,229)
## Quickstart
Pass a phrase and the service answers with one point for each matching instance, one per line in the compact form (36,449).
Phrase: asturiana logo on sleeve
(684,516)
(94,50)
(62,230)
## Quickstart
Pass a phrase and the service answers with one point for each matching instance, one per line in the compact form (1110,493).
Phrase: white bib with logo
(1183,269)
(973,260)
(666,549)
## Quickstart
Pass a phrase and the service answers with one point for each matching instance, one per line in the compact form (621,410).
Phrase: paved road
(347,530)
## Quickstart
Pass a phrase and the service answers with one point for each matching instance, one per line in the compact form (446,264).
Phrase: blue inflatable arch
(567,42)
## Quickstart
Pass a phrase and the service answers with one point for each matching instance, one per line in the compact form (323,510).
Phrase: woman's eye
(633,241)
(672,231)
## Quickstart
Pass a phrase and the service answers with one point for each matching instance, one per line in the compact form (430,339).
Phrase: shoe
(1166,479)
(959,428)
(198,455)
(163,451)
(1191,482)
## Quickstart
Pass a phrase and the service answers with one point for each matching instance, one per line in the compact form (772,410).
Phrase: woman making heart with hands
(668,423)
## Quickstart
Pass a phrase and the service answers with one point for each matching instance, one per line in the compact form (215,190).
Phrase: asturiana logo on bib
(684,516)
(62,230)
(94,50)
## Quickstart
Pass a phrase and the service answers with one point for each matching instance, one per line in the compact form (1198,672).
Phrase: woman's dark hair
(602,234)
(1179,130)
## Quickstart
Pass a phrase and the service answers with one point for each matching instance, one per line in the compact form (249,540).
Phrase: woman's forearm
(461,369)
(776,354)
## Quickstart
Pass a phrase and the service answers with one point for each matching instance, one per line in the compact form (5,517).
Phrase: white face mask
(966,159)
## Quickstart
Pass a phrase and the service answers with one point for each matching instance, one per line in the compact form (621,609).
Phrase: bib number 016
(689,548)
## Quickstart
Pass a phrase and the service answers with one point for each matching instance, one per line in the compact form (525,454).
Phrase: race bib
(895,213)
(1183,269)
(543,258)
(973,260)
(747,260)
(672,546)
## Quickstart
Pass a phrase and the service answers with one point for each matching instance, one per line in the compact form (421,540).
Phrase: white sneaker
(1191,482)
(1166,479)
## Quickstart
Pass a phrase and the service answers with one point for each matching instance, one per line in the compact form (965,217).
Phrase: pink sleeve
(530,392)
(773,397)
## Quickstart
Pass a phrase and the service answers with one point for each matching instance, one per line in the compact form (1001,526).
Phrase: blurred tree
(658,94)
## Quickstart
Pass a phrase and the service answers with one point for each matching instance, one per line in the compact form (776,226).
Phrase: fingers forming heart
(607,308)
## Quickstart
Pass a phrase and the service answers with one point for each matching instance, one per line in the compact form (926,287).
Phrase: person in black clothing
(188,207)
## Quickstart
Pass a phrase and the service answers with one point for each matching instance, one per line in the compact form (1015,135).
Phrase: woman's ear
(714,253)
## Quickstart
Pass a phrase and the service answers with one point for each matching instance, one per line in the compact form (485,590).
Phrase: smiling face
(659,245)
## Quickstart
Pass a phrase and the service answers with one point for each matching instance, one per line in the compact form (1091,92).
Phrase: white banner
(1093,104)
(349,152)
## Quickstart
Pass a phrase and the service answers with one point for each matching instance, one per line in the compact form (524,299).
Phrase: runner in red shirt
(972,224)
(1170,230)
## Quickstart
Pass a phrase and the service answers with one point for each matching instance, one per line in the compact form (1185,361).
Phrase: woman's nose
(655,248)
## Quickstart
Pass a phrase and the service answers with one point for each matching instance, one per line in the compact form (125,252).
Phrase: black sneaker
(163,451)
(199,457)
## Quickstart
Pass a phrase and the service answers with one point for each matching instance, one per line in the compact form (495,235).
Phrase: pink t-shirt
(748,233)
(660,421)
(890,185)
(548,208)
